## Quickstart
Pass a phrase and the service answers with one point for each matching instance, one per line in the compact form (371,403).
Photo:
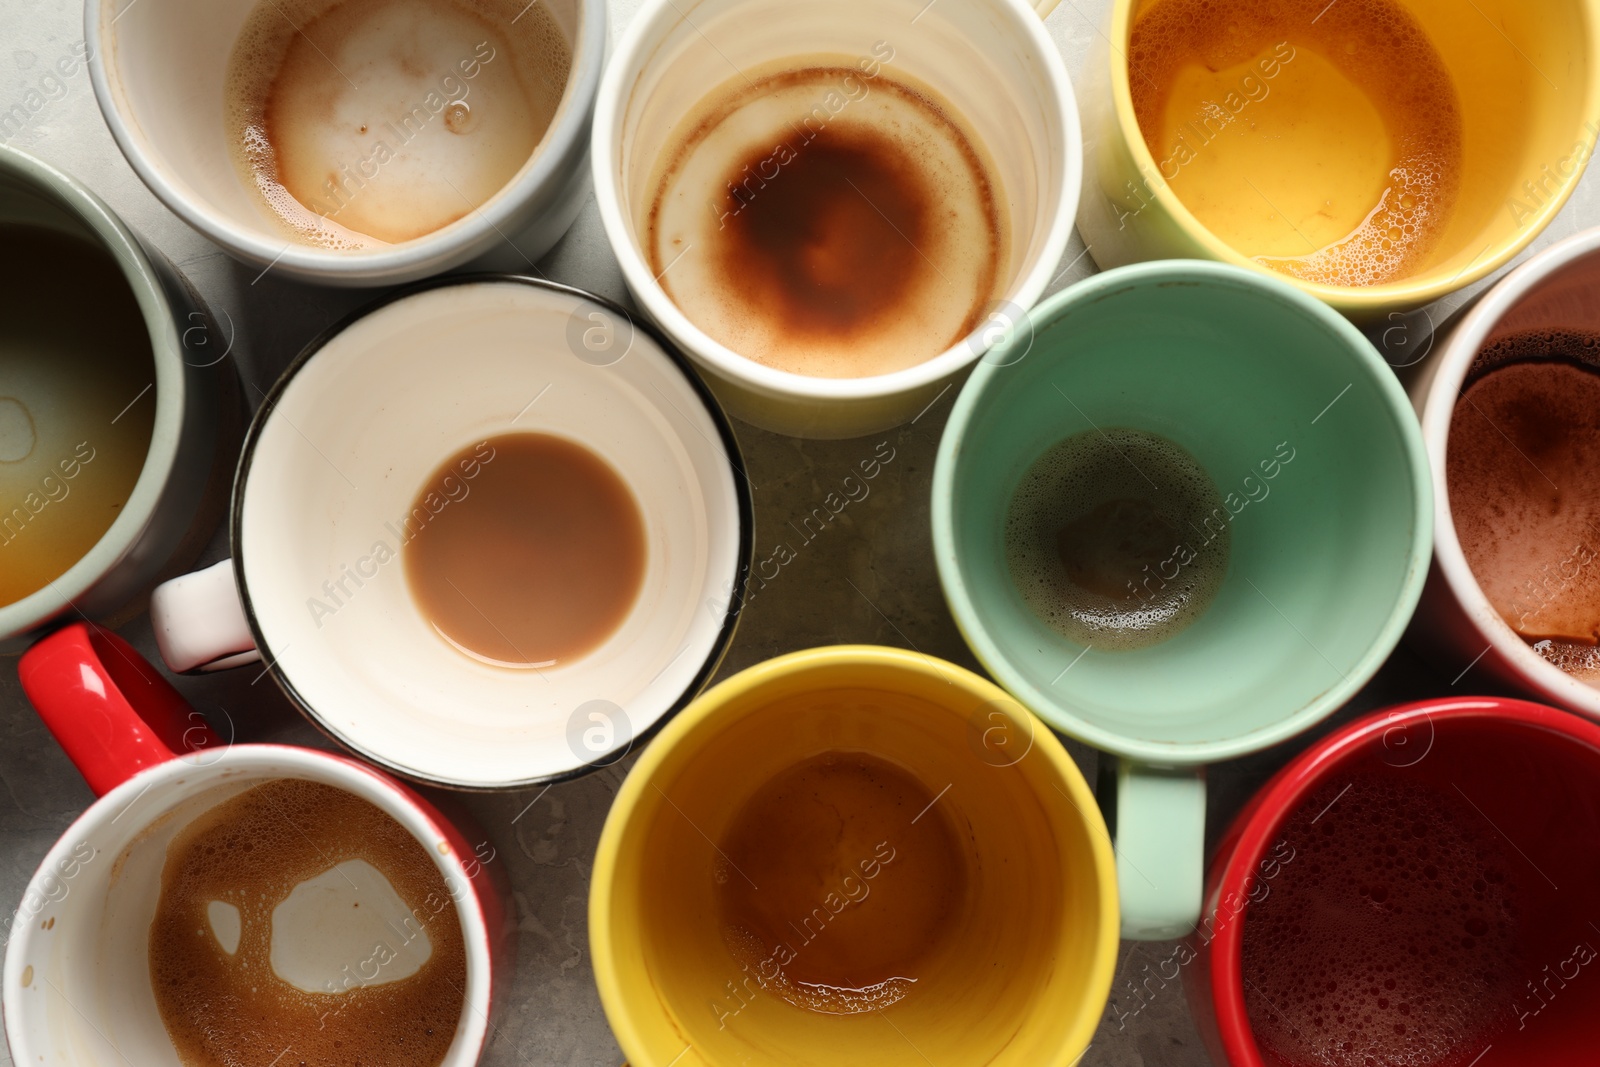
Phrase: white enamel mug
(1558,289)
(158,68)
(991,59)
(321,510)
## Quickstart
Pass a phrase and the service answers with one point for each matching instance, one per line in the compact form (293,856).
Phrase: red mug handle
(112,712)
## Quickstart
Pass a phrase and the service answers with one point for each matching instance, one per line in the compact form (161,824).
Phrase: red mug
(77,976)
(1420,887)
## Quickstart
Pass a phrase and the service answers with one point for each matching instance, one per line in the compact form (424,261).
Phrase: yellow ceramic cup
(1024,973)
(1528,87)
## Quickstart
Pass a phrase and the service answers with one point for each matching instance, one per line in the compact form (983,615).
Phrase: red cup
(1523,780)
(77,990)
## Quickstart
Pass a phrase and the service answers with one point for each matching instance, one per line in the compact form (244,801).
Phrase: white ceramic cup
(77,966)
(1455,624)
(331,468)
(993,62)
(158,68)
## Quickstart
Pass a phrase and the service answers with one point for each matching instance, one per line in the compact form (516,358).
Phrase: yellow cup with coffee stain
(1378,153)
(854,857)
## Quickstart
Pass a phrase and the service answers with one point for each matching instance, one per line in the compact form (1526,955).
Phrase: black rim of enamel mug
(732,454)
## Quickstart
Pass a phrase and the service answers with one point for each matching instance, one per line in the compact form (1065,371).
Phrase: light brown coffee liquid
(1323,140)
(533,561)
(829,223)
(77,403)
(841,876)
(1117,538)
(358,123)
(232,1009)
(1523,470)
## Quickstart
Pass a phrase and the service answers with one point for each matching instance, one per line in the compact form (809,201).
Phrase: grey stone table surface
(868,577)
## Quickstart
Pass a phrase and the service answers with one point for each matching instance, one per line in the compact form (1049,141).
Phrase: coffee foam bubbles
(1390,938)
(1381,48)
(379,121)
(1523,472)
(287,872)
(1128,502)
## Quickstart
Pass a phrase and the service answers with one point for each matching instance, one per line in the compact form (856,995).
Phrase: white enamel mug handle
(199,622)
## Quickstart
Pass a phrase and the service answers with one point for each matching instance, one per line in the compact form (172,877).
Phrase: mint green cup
(1319,459)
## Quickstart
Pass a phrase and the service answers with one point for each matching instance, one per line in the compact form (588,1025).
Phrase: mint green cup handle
(1161,833)
(1316,450)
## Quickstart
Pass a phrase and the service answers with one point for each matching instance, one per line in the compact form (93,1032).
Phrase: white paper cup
(1455,623)
(332,466)
(158,68)
(991,59)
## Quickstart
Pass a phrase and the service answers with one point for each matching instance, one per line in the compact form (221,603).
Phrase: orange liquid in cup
(1322,140)
(844,875)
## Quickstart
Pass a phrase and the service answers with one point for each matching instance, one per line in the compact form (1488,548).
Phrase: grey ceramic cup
(178,497)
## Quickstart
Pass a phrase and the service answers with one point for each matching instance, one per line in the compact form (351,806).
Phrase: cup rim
(366,782)
(1361,301)
(643,34)
(172,397)
(1365,358)
(441,249)
(1266,810)
(1453,362)
(610,958)
(744,509)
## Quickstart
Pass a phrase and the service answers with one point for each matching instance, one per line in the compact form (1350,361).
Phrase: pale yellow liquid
(77,403)
(1324,142)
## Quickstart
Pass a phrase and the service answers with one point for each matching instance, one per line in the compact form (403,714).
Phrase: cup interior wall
(972,54)
(1003,986)
(1567,300)
(167,65)
(1320,553)
(1537,791)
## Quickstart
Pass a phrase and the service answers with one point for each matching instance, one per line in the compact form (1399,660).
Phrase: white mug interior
(159,69)
(990,59)
(337,460)
(77,968)
(1555,290)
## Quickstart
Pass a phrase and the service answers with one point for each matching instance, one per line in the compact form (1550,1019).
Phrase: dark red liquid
(1390,938)
(1437,912)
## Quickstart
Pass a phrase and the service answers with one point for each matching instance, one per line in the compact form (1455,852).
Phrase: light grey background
(869,578)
